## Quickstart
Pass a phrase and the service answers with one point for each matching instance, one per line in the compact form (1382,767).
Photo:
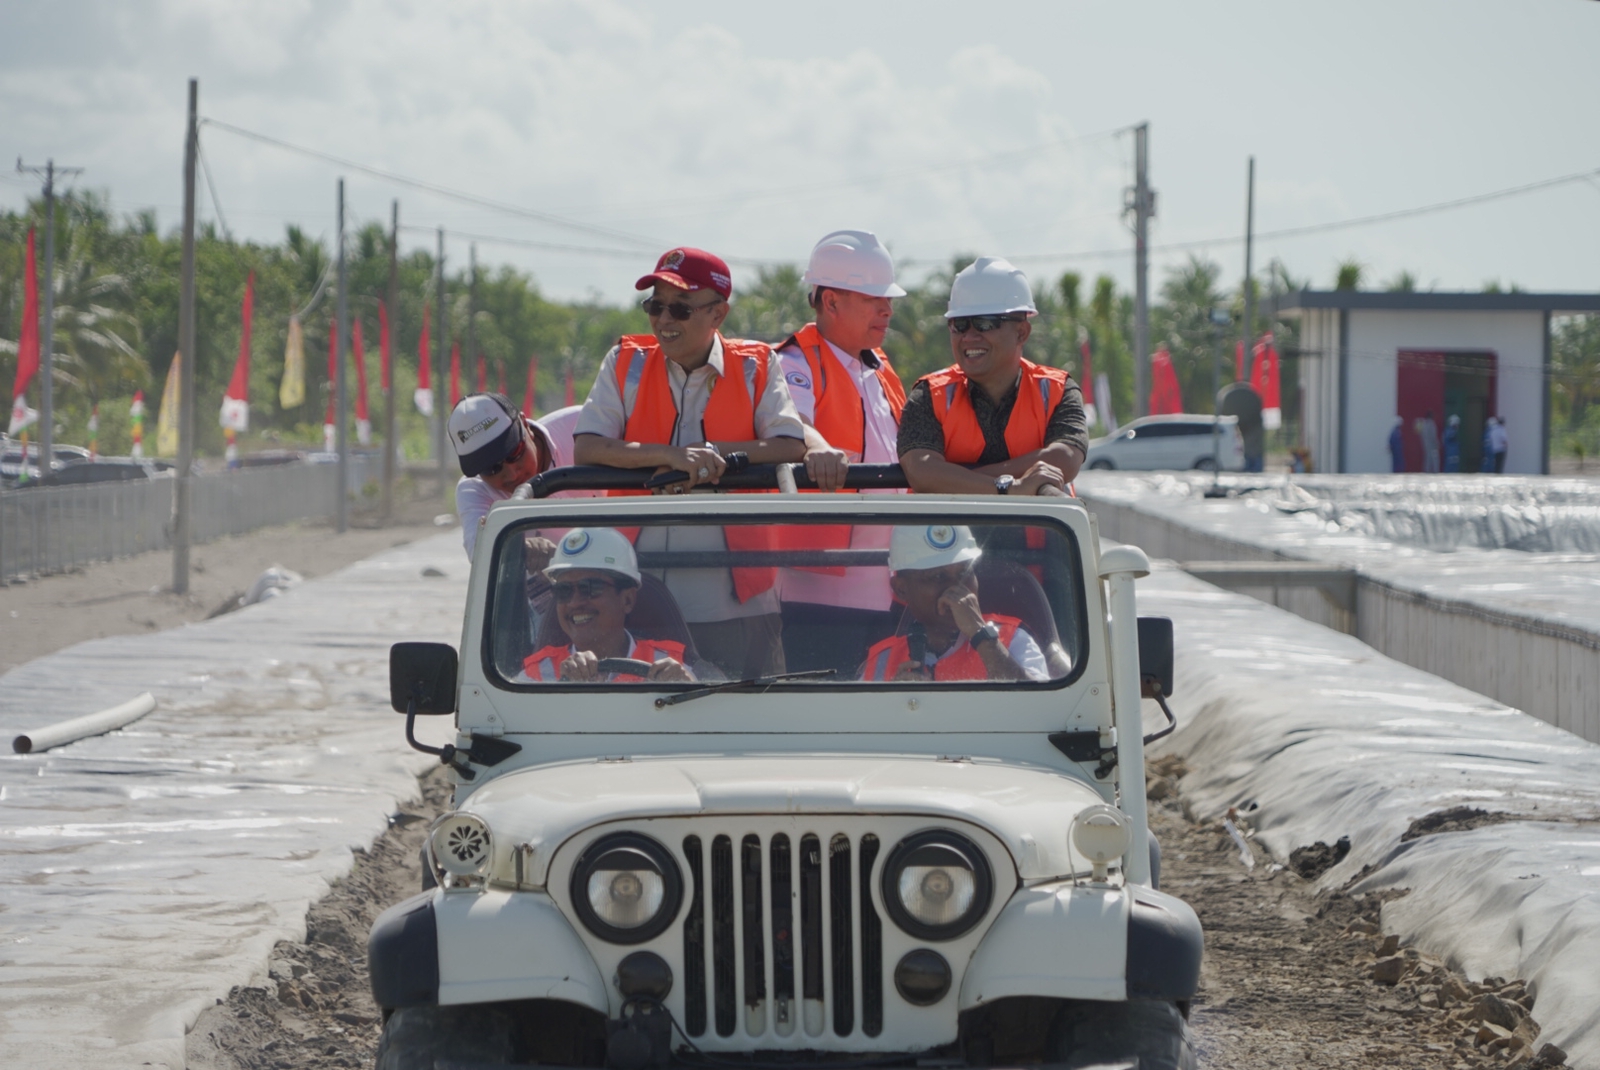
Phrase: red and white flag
(363,416)
(483,375)
(455,374)
(384,381)
(236,402)
(27,346)
(529,402)
(1264,377)
(329,436)
(422,397)
(1086,380)
(1165,395)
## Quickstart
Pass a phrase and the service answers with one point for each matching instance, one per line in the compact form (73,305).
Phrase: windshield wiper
(755,683)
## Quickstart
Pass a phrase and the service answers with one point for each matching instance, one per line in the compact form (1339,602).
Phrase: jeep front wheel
(1151,1034)
(415,1037)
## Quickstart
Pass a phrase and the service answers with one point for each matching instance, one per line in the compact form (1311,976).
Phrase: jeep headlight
(460,843)
(626,888)
(936,885)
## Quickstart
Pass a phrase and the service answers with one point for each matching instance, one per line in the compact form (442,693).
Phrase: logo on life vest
(575,543)
(941,536)
(672,261)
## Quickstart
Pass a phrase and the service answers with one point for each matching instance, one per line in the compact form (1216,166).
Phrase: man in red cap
(684,397)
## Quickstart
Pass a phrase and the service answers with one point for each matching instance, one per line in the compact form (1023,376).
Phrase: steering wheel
(631,666)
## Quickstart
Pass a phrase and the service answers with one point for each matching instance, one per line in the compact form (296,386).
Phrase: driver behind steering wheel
(594,577)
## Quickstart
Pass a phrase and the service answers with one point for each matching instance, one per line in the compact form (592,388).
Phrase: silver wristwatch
(1003,484)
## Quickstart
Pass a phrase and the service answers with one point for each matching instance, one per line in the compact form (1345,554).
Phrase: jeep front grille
(755,908)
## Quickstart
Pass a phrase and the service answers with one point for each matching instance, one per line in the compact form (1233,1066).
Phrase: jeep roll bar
(750,477)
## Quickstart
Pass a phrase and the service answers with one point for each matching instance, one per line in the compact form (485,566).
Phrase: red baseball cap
(690,269)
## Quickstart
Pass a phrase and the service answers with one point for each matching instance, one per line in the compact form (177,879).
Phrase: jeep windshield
(633,602)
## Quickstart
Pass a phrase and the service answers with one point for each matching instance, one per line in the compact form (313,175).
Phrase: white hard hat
(923,546)
(602,549)
(990,286)
(852,260)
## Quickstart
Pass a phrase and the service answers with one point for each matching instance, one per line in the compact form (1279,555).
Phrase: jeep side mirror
(1155,656)
(425,672)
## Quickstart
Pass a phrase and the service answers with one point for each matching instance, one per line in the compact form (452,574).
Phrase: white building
(1366,358)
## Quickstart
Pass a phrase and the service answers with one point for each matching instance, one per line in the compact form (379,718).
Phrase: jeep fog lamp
(1100,833)
(460,844)
(936,885)
(626,888)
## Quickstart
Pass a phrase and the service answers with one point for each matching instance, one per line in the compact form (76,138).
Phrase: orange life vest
(545,664)
(1039,392)
(730,416)
(885,658)
(840,416)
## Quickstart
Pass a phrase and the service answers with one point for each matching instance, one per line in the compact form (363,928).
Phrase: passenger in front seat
(594,577)
(950,637)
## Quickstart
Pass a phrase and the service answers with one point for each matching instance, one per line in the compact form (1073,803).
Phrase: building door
(1445,384)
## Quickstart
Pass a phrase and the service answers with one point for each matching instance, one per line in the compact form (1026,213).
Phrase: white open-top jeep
(857,862)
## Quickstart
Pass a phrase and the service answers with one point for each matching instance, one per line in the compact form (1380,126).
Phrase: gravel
(1291,979)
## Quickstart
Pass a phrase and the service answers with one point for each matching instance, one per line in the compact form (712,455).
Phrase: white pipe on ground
(93,724)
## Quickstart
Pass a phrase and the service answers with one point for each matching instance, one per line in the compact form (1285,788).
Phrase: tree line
(116,312)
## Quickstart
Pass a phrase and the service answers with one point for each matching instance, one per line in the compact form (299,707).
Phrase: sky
(612,130)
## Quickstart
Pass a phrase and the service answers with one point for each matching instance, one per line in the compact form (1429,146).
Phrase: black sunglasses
(511,458)
(984,324)
(590,588)
(678,310)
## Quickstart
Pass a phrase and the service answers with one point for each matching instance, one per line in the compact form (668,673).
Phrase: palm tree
(1349,274)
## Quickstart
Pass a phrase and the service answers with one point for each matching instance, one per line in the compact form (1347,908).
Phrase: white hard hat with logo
(923,546)
(990,286)
(601,549)
(852,260)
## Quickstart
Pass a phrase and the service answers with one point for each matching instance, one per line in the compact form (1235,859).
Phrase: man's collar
(715,360)
(866,356)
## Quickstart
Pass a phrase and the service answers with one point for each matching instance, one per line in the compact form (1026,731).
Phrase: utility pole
(393,314)
(47,332)
(441,388)
(1249,274)
(187,351)
(341,432)
(471,356)
(1141,201)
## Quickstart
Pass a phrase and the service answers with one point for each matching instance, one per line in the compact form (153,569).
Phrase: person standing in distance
(683,398)
(1019,422)
(850,398)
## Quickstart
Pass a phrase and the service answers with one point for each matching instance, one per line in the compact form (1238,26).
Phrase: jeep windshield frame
(1056,555)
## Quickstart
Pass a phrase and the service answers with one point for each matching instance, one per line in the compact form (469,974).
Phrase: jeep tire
(1152,1034)
(414,1037)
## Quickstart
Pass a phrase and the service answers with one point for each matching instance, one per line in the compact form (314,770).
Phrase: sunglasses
(590,588)
(511,458)
(983,324)
(678,310)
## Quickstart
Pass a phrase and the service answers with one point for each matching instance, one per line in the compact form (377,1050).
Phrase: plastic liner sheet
(1285,517)
(1315,736)
(148,871)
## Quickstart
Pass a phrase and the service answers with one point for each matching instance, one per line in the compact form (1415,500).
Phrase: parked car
(1169,442)
(11,458)
(849,866)
(99,470)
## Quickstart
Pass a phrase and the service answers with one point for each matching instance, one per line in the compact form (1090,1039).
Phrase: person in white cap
(950,638)
(499,449)
(993,422)
(594,576)
(850,398)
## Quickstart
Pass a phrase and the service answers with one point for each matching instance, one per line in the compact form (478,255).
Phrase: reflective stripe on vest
(652,416)
(840,414)
(885,658)
(545,664)
(1038,393)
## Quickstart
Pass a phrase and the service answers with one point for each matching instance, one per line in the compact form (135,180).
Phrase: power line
(212,186)
(529,243)
(435,188)
(1313,228)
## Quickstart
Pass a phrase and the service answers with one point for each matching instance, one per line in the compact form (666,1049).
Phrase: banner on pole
(363,416)
(136,422)
(1166,397)
(529,401)
(167,416)
(293,390)
(455,375)
(423,397)
(1102,391)
(27,348)
(1086,380)
(235,414)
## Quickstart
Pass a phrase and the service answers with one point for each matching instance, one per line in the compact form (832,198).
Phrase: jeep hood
(1030,810)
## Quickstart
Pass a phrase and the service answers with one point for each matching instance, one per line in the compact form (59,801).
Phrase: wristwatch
(1003,484)
(989,631)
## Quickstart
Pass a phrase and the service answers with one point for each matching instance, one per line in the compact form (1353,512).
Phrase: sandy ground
(1291,979)
(134,594)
